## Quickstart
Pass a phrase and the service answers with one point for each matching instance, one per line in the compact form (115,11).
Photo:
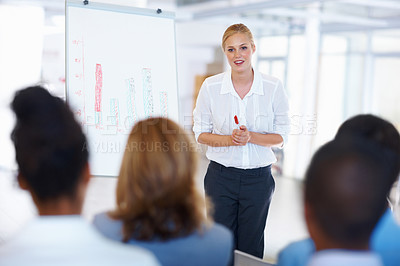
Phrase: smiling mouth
(238,62)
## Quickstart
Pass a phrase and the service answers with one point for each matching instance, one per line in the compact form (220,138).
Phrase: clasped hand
(240,136)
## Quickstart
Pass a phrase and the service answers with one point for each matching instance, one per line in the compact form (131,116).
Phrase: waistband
(252,171)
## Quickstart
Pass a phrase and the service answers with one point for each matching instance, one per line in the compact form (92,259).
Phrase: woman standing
(241,114)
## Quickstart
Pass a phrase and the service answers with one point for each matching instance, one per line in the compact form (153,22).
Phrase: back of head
(49,144)
(156,189)
(379,131)
(237,28)
(344,191)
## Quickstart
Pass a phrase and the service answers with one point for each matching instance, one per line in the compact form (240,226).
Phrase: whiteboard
(120,68)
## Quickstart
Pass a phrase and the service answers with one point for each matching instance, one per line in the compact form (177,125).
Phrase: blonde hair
(156,191)
(237,28)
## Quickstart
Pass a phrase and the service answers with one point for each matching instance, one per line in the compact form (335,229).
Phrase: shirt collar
(227,85)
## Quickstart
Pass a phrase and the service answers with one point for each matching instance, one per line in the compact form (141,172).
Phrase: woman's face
(238,51)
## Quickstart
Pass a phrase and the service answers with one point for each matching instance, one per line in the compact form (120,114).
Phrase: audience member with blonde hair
(158,205)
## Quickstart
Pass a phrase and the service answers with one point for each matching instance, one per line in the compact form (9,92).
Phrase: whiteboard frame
(118,9)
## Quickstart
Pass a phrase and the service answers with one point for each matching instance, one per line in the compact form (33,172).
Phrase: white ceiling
(275,15)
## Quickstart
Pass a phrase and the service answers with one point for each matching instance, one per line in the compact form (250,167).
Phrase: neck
(328,244)
(324,241)
(243,77)
(59,206)
(242,82)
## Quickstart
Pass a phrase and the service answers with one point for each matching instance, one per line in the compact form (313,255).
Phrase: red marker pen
(236,120)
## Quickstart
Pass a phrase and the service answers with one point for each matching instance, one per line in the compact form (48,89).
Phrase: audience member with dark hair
(158,204)
(385,237)
(344,198)
(377,130)
(53,166)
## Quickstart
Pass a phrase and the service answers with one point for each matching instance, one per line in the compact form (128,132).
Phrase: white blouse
(264,110)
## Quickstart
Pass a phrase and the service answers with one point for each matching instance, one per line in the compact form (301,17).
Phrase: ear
(254,48)
(86,174)
(307,212)
(310,219)
(22,182)
(317,234)
(312,225)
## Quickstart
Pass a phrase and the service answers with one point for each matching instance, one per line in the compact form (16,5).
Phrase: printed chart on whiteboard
(121,68)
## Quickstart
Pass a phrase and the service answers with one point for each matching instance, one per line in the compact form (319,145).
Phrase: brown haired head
(237,28)
(156,191)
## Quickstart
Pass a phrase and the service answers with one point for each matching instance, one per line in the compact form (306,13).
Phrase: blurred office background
(335,58)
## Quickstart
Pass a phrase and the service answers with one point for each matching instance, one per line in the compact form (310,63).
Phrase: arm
(281,116)
(242,136)
(215,140)
(203,122)
(267,140)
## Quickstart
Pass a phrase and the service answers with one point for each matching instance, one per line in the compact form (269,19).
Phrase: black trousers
(241,201)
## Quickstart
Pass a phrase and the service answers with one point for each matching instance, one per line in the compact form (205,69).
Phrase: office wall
(21,42)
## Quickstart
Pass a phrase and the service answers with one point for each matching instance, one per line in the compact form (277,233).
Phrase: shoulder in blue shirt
(211,247)
(385,241)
